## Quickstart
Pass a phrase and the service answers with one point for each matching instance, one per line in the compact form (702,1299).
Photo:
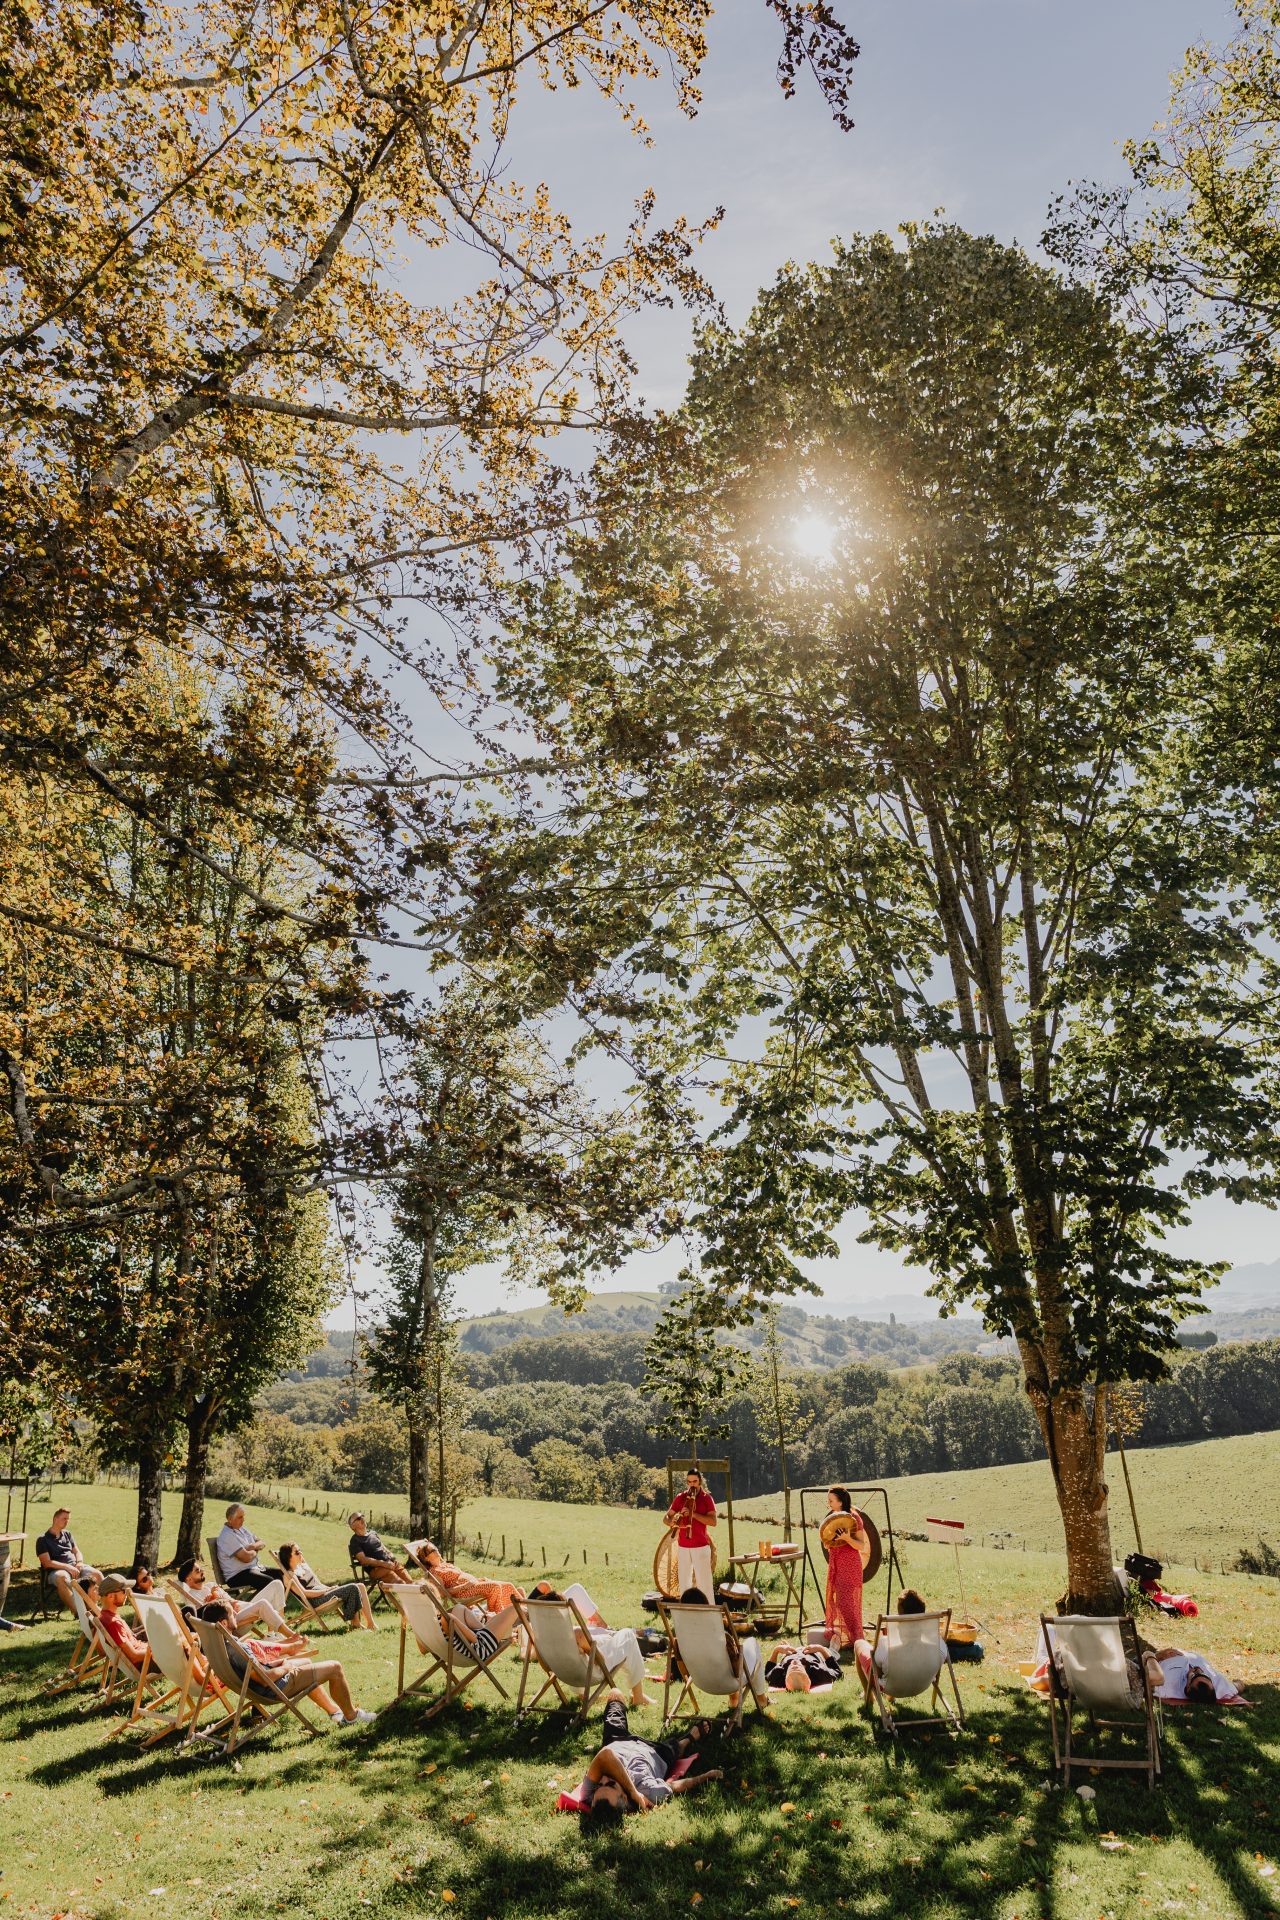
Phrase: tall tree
(690,1371)
(872,703)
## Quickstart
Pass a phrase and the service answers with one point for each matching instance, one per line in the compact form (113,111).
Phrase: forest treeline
(564,1419)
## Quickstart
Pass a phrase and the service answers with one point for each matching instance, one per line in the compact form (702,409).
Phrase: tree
(874,699)
(689,1370)
(503,1157)
(232,439)
(781,1411)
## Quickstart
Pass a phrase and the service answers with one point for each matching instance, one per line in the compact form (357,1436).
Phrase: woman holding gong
(847,1547)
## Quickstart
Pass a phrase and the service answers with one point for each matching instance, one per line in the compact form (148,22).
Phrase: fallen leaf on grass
(788,1806)
(1086,1793)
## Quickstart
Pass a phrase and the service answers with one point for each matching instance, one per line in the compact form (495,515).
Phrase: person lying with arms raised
(630,1775)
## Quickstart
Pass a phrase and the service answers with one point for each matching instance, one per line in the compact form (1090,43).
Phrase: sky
(983,109)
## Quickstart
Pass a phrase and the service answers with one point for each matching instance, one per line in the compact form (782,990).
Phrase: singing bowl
(872,1551)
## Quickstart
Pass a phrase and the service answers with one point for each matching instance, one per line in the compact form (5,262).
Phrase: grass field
(456,1815)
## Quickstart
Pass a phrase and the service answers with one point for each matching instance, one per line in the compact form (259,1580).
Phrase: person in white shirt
(1177,1675)
(238,1549)
(265,1608)
(619,1647)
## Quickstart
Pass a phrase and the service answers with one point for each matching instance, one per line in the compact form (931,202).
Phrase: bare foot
(642,1699)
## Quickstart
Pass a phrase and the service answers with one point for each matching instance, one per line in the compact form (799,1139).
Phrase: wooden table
(787,1563)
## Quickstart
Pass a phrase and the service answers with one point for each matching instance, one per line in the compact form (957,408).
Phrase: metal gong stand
(877,1534)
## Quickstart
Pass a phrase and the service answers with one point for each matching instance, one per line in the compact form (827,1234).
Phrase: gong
(666,1574)
(872,1553)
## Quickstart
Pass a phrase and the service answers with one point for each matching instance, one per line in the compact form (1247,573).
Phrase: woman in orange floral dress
(493,1594)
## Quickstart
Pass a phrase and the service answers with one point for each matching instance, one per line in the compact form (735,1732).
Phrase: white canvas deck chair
(257,1691)
(915,1662)
(1096,1667)
(577,1679)
(173,1656)
(88,1660)
(703,1657)
(425,1614)
(313,1611)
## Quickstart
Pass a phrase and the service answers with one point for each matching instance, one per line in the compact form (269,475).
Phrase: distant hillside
(811,1340)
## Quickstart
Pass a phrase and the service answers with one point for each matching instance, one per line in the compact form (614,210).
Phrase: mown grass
(814,1816)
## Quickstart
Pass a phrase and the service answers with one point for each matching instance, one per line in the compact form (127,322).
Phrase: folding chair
(425,1612)
(704,1653)
(173,1653)
(915,1660)
(256,1688)
(379,1594)
(1096,1664)
(88,1662)
(550,1627)
(312,1611)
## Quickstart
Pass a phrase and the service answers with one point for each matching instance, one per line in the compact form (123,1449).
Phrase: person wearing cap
(59,1555)
(323,1681)
(238,1549)
(113,1593)
(693,1513)
(375,1561)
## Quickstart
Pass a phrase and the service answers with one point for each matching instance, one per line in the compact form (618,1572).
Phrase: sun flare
(814,538)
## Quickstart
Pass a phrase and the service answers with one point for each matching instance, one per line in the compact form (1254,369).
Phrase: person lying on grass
(629,1775)
(1179,1676)
(748,1648)
(353,1594)
(322,1681)
(619,1647)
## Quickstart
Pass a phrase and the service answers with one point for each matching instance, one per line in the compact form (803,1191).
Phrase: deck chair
(173,1656)
(915,1663)
(379,1593)
(256,1691)
(313,1612)
(1093,1661)
(700,1656)
(88,1661)
(424,1612)
(576,1678)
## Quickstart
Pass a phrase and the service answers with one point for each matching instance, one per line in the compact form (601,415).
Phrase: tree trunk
(419,1474)
(200,1429)
(1076,1457)
(146,1544)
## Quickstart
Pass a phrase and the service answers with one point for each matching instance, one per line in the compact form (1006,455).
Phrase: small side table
(787,1563)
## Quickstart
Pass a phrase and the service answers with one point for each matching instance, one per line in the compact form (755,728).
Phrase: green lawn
(813,1817)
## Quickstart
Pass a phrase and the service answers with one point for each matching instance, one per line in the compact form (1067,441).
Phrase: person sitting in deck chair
(374,1560)
(265,1608)
(132,1641)
(629,1775)
(748,1648)
(238,1549)
(323,1681)
(619,1647)
(353,1594)
(909,1601)
(493,1594)
(480,1631)
(60,1557)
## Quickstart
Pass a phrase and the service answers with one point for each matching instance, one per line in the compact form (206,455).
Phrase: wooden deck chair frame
(875,1691)
(571,1696)
(88,1662)
(459,1671)
(677,1673)
(190,1699)
(406,1628)
(257,1691)
(378,1591)
(1063,1705)
(294,1589)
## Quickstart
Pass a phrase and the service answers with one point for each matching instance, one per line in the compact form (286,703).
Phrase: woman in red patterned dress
(845,1539)
(493,1594)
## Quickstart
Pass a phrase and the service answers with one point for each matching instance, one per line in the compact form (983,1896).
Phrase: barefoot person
(493,1594)
(323,1681)
(374,1560)
(353,1594)
(619,1647)
(845,1539)
(693,1512)
(633,1776)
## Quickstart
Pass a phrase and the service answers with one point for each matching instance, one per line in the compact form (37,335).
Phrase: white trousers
(753,1666)
(693,1569)
(620,1649)
(266,1607)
